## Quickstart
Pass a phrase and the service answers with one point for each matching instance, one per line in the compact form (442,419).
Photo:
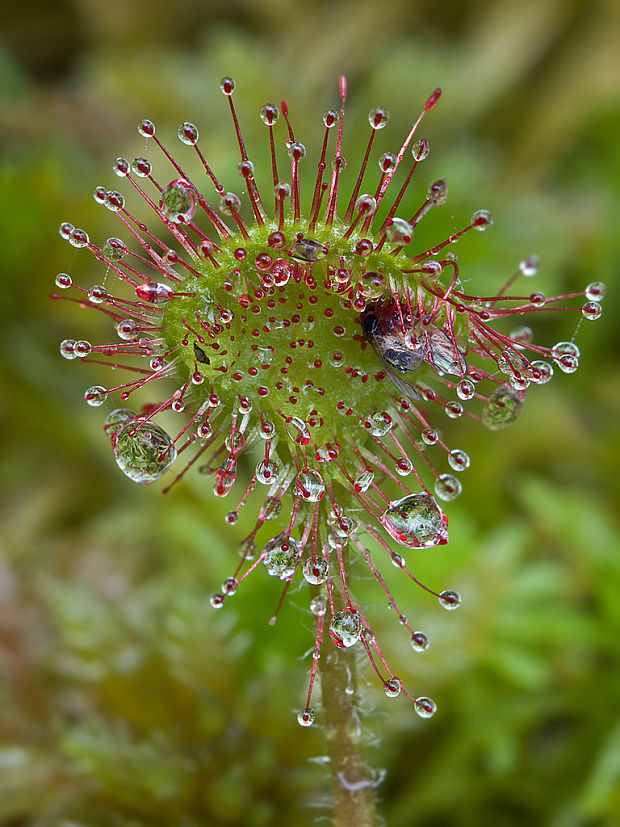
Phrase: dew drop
(271,509)
(153,293)
(178,201)
(366,204)
(227,85)
(296,151)
(430,437)
(97,294)
(450,600)
(269,114)
(465,389)
(63,280)
(403,466)
(596,291)
(144,451)
(416,521)
(114,249)
(230,203)
(393,687)
(453,409)
(330,118)
(378,117)
(458,460)
(503,408)
(378,423)
(419,642)
(217,601)
(318,605)
(309,485)
(523,335)
(432,269)
(447,487)
(425,707)
(591,311)
(248,549)
(95,396)
(267,472)
(305,717)
(67,349)
(280,556)
(225,477)
(298,430)
(363,481)
(188,133)
(346,628)
(79,238)
(121,167)
(146,128)
(83,348)
(245,168)
(529,266)
(565,348)
(541,371)
(438,193)
(128,330)
(420,150)
(229,586)
(141,167)
(387,162)
(481,220)
(371,284)
(399,231)
(65,230)
(316,571)
(114,201)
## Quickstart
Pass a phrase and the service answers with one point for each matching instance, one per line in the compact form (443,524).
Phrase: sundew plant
(313,359)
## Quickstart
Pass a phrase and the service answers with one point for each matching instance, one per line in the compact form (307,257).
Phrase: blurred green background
(124,699)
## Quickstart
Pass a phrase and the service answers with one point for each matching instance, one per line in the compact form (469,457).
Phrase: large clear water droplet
(447,487)
(281,555)
(416,521)
(225,477)
(450,600)
(178,201)
(271,508)
(316,571)
(267,472)
(503,408)
(95,396)
(393,687)
(425,707)
(298,431)
(379,423)
(309,485)
(346,628)
(144,451)
(419,642)
(305,717)
(318,605)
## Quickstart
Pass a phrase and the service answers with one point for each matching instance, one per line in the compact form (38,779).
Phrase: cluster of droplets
(319,347)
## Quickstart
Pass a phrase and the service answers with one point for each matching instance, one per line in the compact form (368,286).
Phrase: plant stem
(354,793)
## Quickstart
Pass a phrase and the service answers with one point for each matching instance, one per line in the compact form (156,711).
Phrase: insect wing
(443,354)
(398,379)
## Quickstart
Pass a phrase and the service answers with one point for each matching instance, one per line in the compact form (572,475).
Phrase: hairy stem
(354,793)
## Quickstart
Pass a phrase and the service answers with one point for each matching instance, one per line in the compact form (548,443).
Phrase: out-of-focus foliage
(125,700)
